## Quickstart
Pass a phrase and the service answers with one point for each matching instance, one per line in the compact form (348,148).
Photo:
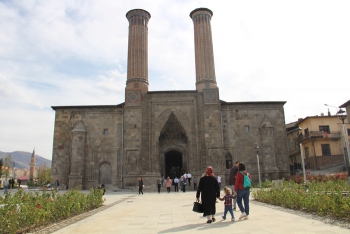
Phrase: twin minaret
(137,75)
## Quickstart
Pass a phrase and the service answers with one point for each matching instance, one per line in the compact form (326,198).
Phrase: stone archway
(173,145)
(105,173)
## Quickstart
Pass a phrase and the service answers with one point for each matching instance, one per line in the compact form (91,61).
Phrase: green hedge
(23,211)
(330,197)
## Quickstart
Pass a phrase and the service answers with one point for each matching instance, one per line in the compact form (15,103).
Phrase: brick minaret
(204,54)
(137,75)
(32,165)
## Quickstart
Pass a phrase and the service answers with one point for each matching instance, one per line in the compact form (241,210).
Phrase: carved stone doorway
(105,173)
(173,163)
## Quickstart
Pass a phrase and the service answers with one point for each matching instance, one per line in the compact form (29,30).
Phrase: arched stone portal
(105,173)
(173,163)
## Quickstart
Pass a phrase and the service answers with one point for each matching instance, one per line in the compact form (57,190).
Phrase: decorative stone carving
(215,160)
(132,163)
(211,96)
(172,132)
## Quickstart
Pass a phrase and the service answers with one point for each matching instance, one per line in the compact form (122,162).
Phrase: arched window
(228,158)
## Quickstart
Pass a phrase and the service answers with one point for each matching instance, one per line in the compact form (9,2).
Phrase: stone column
(137,75)
(77,156)
(204,54)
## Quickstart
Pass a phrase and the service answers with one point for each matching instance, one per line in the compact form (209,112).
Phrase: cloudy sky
(61,53)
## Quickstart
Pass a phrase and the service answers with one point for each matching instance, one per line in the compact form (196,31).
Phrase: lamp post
(339,112)
(302,159)
(257,157)
(13,170)
(346,139)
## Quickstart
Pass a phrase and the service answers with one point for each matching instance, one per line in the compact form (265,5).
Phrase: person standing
(208,189)
(232,179)
(176,183)
(241,192)
(228,203)
(189,177)
(194,183)
(13,182)
(219,181)
(140,185)
(6,184)
(162,180)
(19,183)
(168,184)
(57,184)
(159,184)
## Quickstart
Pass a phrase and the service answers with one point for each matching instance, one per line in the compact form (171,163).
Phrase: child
(228,203)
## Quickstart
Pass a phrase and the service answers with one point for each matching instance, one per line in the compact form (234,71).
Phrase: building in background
(159,132)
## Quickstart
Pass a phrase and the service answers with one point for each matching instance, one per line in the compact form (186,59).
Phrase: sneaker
(223,217)
(214,220)
(233,219)
(209,221)
(242,215)
(246,217)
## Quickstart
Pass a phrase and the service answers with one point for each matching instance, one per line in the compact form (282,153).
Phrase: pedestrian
(10,183)
(185,177)
(176,183)
(57,184)
(194,183)
(189,177)
(159,184)
(241,192)
(219,181)
(232,179)
(168,184)
(208,189)
(228,203)
(103,187)
(183,184)
(13,182)
(6,184)
(140,185)
(162,180)
(19,182)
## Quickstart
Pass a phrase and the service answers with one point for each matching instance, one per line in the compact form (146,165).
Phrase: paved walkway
(172,213)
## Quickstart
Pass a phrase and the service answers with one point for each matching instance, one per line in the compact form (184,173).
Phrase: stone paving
(127,212)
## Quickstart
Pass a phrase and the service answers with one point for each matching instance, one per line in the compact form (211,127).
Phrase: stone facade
(152,132)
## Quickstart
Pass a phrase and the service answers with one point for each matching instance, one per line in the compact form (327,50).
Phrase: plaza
(128,212)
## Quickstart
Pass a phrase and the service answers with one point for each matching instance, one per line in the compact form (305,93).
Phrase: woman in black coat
(140,185)
(209,187)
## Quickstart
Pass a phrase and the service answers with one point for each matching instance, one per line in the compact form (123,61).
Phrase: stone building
(152,132)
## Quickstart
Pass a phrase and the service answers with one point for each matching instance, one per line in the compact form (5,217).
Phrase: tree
(44,175)
(7,164)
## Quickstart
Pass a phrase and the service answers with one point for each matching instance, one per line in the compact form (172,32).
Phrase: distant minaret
(32,165)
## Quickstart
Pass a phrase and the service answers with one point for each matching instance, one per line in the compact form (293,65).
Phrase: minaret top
(201,9)
(139,12)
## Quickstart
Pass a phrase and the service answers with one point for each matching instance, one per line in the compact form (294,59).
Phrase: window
(348,131)
(306,132)
(228,158)
(324,128)
(326,150)
(246,128)
(105,132)
(307,152)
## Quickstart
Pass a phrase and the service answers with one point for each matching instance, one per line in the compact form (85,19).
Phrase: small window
(306,132)
(105,132)
(307,152)
(246,128)
(325,128)
(326,150)
(348,131)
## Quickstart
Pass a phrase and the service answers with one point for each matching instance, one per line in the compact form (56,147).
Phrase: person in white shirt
(219,181)
(189,177)
(176,183)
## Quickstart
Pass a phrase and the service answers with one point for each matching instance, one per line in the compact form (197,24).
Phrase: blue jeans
(5,189)
(228,208)
(243,194)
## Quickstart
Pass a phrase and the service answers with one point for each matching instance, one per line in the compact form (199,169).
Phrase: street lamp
(340,112)
(302,158)
(346,139)
(257,157)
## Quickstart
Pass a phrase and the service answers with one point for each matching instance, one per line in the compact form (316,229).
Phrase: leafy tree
(7,163)
(44,175)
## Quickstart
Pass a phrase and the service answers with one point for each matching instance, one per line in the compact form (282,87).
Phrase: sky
(67,52)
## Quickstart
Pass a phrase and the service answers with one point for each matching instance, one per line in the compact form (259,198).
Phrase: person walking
(232,179)
(208,189)
(168,184)
(176,183)
(159,184)
(189,177)
(194,183)
(241,192)
(228,203)
(140,185)
(57,184)
(162,180)
(183,180)
(6,184)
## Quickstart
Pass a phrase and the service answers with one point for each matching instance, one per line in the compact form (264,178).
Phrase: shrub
(23,211)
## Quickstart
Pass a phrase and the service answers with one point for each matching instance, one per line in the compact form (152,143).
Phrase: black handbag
(197,207)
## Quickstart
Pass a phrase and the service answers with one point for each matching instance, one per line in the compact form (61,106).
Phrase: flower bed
(326,196)
(23,211)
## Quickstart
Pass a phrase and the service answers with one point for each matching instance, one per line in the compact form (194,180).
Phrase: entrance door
(173,163)
(105,173)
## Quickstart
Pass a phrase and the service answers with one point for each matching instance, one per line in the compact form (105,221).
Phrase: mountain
(22,159)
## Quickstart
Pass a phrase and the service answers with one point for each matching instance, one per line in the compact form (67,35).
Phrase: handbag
(197,207)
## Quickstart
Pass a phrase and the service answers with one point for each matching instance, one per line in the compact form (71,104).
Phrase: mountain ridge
(22,159)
